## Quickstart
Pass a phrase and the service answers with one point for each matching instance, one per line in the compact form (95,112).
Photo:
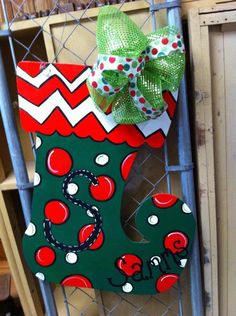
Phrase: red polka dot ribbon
(133,82)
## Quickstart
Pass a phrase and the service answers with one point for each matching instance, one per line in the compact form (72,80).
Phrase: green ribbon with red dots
(134,69)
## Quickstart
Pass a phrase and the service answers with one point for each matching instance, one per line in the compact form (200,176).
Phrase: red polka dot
(117,89)
(165,41)
(140,60)
(154,51)
(174,45)
(94,84)
(106,88)
(120,67)
(93,73)
(129,264)
(45,256)
(132,93)
(164,200)
(166,281)
(128,60)
(112,60)
(59,161)
(176,242)
(56,211)
(139,69)
(142,100)
(84,234)
(77,280)
(104,190)
(131,76)
(127,165)
(101,66)
(178,36)
(147,59)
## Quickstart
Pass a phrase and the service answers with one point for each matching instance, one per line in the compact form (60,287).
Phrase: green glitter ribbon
(134,69)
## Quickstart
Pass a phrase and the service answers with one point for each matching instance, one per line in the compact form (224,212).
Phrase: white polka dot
(186,209)
(127,288)
(72,188)
(183,263)
(40,276)
(37,179)
(71,257)
(89,212)
(38,142)
(31,230)
(155,260)
(102,159)
(153,220)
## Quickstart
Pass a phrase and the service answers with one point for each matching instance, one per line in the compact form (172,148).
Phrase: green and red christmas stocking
(83,158)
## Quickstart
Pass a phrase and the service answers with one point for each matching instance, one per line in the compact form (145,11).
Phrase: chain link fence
(32,38)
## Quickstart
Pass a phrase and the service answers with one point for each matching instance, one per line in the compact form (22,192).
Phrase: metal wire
(97,302)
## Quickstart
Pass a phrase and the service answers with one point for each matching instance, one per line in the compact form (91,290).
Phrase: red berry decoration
(112,60)
(165,41)
(59,162)
(129,264)
(165,282)
(120,67)
(84,234)
(176,242)
(154,51)
(127,165)
(45,256)
(142,100)
(164,200)
(77,281)
(56,211)
(104,190)
(94,84)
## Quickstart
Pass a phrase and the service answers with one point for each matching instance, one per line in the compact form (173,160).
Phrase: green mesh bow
(133,69)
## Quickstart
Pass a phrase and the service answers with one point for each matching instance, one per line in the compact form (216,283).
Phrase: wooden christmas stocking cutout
(83,158)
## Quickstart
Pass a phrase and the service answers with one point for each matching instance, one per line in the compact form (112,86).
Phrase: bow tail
(100,101)
(170,70)
(124,111)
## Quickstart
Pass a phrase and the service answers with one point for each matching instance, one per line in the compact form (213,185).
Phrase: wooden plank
(25,284)
(220,149)
(207,102)
(220,7)
(9,183)
(218,18)
(205,157)
(75,15)
(230,101)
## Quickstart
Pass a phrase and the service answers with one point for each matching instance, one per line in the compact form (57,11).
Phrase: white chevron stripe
(42,112)
(149,127)
(50,71)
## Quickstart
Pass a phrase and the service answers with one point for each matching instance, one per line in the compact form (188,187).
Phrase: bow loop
(132,69)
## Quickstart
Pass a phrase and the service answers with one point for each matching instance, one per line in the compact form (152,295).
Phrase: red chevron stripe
(38,96)
(91,127)
(69,71)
